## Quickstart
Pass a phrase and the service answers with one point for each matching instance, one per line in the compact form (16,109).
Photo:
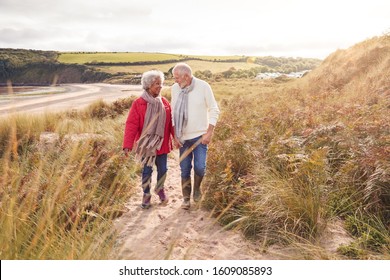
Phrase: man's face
(181,80)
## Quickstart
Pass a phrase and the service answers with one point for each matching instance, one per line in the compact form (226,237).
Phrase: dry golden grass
(63,180)
(285,158)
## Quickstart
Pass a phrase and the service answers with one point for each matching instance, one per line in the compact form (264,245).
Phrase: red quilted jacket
(135,122)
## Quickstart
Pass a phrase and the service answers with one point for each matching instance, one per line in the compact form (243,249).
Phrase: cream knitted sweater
(202,108)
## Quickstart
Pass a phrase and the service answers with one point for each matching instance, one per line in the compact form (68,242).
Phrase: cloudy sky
(305,28)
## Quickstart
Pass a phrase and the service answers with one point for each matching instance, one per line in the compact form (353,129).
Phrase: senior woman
(149,133)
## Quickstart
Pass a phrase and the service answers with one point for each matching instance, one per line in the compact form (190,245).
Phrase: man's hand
(206,138)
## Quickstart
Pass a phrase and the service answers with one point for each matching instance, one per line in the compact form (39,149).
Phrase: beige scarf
(152,135)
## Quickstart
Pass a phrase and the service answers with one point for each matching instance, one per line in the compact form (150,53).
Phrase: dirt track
(65,97)
(169,232)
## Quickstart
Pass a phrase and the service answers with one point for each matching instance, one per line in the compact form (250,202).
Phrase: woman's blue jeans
(193,150)
(162,168)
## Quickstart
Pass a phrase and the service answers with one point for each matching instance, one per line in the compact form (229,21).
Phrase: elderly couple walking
(151,127)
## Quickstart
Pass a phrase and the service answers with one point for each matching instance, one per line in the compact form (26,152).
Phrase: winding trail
(169,232)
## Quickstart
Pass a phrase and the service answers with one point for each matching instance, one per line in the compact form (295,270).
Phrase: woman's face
(155,88)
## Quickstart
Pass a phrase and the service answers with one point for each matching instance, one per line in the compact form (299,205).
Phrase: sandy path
(169,232)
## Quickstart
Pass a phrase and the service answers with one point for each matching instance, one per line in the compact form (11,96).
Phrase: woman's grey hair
(149,77)
(182,68)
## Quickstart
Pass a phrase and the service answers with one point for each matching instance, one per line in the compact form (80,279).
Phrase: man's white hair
(182,68)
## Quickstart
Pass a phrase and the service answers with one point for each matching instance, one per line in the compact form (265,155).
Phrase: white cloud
(246,27)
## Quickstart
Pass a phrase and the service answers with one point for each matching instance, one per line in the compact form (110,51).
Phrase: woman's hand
(176,143)
(126,151)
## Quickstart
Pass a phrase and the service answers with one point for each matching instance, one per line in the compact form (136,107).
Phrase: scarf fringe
(152,135)
(147,148)
(148,161)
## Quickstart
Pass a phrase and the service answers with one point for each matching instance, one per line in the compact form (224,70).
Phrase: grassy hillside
(21,57)
(137,63)
(135,57)
(289,161)
(196,65)
(45,68)
(363,68)
(299,157)
(114,57)
(34,67)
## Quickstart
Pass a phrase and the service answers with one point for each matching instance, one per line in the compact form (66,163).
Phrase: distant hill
(364,67)
(37,67)
(268,63)
(21,57)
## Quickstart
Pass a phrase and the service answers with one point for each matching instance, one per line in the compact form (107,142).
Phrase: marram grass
(58,197)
